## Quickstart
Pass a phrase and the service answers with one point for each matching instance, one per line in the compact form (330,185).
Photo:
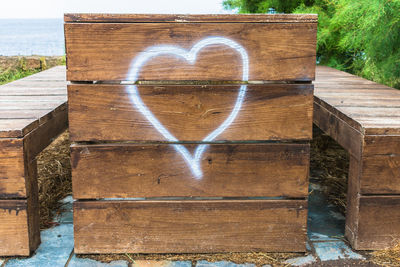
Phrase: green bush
(358,36)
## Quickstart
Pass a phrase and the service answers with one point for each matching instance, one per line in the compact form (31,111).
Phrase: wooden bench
(33,111)
(193,158)
(364,118)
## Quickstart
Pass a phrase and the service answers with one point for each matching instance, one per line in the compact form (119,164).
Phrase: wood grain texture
(184,18)
(14,233)
(45,133)
(380,165)
(190,226)
(28,102)
(276,51)
(190,113)
(33,205)
(240,170)
(371,108)
(348,137)
(353,202)
(12,169)
(379,222)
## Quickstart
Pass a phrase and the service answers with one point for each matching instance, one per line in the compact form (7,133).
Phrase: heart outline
(190,56)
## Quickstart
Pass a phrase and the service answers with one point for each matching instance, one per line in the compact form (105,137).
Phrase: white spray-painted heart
(190,56)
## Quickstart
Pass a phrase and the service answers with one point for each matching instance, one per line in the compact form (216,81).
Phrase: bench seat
(364,118)
(33,111)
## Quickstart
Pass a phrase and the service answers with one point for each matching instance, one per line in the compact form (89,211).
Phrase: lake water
(25,37)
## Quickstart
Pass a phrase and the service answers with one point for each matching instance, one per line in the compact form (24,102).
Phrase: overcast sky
(56,8)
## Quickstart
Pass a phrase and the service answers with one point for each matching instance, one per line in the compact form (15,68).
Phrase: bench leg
(372,220)
(33,206)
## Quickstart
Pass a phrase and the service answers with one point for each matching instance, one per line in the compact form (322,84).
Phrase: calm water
(31,37)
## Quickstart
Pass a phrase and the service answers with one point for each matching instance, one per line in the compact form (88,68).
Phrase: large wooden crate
(191,132)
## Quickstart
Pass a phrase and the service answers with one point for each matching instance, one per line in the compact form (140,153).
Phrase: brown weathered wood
(364,116)
(45,133)
(191,112)
(184,18)
(229,170)
(190,226)
(12,176)
(28,123)
(353,202)
(17,127)
(375,108)
(344,134)
(14,233)
(378,226)
(32,205)
(105,51)
(381,165)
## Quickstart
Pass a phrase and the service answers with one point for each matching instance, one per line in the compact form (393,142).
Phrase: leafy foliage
(361,37)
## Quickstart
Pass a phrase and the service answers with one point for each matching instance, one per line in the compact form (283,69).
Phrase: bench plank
(215,225)
(271,55)
(191,112)
(229,170)
(179,18)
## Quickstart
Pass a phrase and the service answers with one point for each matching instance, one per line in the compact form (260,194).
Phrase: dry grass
(387,257)
(329,167)
(54,178)
(257,258)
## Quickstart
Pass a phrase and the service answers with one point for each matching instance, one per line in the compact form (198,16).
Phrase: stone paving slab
(67,215)
(80,262)
(330,251)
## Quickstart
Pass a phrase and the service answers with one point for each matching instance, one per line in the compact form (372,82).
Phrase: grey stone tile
(327,251)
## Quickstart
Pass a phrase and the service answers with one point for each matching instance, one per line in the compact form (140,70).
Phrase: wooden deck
(33,111)
(364,117)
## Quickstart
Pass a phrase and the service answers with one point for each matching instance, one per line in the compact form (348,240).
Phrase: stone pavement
(326,243)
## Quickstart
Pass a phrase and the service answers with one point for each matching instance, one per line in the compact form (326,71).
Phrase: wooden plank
(195,18)
(380,165)
(348,137)
(12,172)
(33,98)
(33,92)
(272,53)
(381,145)
(379,222)
(191,112)
(362,102)
(381,174)
(30,105)
(24,113)
(17,127)
(33,208)
(227,170)
(190,226)
(353,202)
(42,136)
(14,233)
